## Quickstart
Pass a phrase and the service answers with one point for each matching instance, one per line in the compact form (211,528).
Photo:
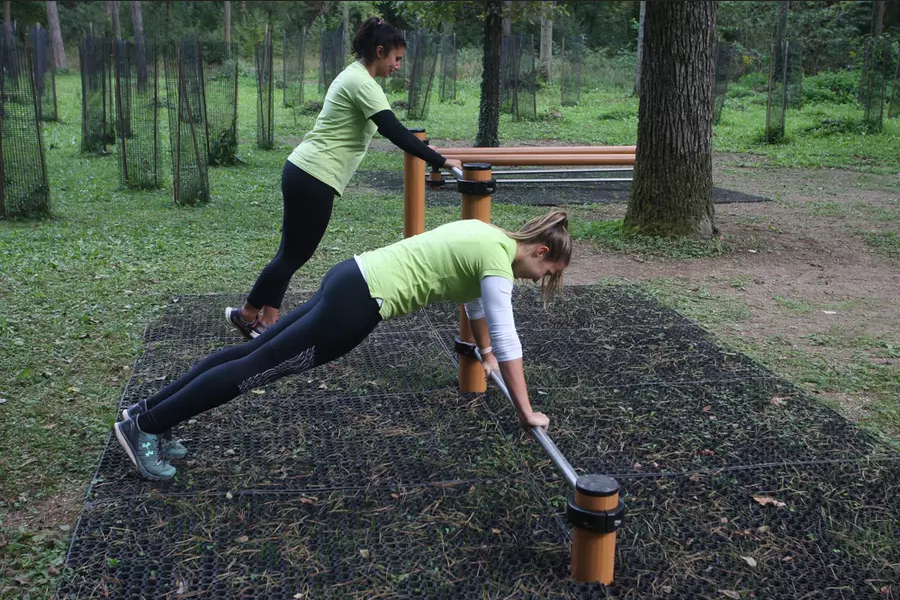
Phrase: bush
(758,82)
(838,88)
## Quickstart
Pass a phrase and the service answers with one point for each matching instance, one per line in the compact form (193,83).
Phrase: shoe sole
(124,443)
(249,336)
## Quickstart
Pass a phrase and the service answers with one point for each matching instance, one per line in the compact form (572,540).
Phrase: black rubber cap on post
(476,166)
(597,486)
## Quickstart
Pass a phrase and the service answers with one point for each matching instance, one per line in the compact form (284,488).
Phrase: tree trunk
(489,111)
(7,24)
(112,9)
(640,50)
(228,23)
(878,18)
(140,58)
(671,194)
(56,41)
(546,58)
(345,35)
(137,21)
(507,18)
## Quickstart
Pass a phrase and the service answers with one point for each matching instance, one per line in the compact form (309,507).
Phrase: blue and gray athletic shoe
(144,450)
(169,446)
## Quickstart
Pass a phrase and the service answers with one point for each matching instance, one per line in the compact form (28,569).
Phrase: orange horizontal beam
(510,160)
(541,150)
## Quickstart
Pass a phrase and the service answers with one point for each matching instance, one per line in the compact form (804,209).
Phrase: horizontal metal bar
(539,171)
(540,150)
(572,180)
(552,450)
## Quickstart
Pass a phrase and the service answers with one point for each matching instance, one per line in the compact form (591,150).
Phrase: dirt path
(801,265)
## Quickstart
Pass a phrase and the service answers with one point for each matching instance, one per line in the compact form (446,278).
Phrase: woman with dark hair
(319,168)
(464,261)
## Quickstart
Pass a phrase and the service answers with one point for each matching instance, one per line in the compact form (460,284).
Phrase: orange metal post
(594,554)
(471,374)
(413,191)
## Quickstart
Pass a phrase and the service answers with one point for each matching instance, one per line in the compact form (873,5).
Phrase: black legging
(307,210)
(333,322)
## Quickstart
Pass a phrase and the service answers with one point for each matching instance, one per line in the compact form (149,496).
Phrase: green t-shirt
(332,151)
(444,264)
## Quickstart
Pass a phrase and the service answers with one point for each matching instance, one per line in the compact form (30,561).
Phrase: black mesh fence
(137,113)
(873,84)
(894,107)
(794,80)
(448,68)
(331,57)
(96,100)
(44,73)
(187,122)
(571,69)
(220,92)
(779,68)
(422,51)
(265,88)
(524,99)
(724,61)
(293,67)
(24,189)
(518,76)
(507,74)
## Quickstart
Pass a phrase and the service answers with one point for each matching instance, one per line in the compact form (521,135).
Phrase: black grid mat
(373,477)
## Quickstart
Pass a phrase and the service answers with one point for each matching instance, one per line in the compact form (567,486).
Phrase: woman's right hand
(534,419)
(453,162)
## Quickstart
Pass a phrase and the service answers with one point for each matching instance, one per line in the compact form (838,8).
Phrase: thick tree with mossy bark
(671,194)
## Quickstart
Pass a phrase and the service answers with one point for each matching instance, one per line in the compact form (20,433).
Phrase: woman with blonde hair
(464,261)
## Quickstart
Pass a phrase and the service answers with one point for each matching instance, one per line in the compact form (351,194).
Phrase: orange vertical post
(474,206)
(593,535)
(413,191)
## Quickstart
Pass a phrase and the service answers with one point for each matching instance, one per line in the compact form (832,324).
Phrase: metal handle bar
(540,435)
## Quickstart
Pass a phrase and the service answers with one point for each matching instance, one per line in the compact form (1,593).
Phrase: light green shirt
(332,151)
(444,264)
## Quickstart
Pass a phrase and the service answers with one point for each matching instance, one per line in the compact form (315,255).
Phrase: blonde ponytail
(551,230)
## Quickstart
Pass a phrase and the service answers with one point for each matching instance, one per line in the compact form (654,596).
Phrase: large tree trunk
(640,50)
(546,57)
(56,41)
(112,9)
(228,23)
(671,194)
(489,111)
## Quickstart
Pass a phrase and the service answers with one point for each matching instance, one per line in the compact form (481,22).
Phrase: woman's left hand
(534,419)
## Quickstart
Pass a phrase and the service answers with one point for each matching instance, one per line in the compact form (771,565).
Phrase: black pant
(307,210)
(333,322)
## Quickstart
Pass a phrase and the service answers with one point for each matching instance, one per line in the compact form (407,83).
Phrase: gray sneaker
(144,450)
(233,316)
(169,446)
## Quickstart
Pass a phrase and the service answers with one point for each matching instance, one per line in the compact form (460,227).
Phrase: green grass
(608,234)
(866,376)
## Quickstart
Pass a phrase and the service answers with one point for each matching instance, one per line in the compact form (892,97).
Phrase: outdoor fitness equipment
(594,510)
(605,159)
